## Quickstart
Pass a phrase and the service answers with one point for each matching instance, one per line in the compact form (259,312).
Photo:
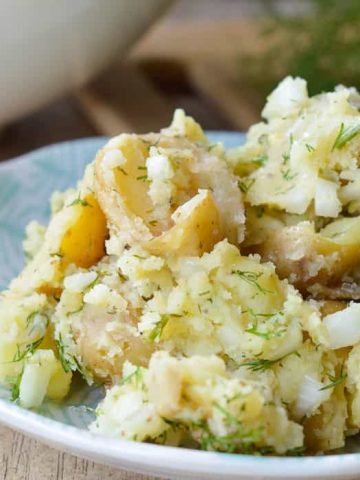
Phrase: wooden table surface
(187,64)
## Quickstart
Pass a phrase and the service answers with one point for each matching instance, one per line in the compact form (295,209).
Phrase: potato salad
(213,292)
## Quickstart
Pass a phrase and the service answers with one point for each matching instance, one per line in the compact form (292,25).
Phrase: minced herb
(157,331)
(345,135)
(246,185)
(28,350)
(251,278)
(80,201)
(334,381)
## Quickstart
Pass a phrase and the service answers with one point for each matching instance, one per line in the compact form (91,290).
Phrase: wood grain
(22,458)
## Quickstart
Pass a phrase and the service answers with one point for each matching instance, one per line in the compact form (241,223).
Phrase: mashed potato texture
(213,292)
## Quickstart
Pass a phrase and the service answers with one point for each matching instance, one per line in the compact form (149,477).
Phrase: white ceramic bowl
(50,46)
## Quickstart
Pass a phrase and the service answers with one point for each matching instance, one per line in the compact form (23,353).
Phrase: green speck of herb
(80,201)
(204,293)
(122,277)
(262,364)
(57,254)
(15,385)
(94,282)
(78,310)
(334,381)
(287,175)
(259,211)
(69,363)
(124,172)
(136,375)
(265,334)
(239,440)
(260,159)
(29,350)
(31,317)
(142,178)
(246,185)
(251,278)
(286,158)
(345,135)
(139,257)
(295,452)
(309,148)
(157,331)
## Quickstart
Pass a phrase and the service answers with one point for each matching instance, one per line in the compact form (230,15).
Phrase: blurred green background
(320,42)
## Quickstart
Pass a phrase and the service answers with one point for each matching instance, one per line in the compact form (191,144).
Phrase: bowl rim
(132,455)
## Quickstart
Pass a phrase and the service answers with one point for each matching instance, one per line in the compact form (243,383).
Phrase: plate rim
(149,457)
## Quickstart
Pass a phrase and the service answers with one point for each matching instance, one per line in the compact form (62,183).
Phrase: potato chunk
(197,228)
(84,241)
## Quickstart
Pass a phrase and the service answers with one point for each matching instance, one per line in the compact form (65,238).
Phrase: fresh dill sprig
(265,334)
(286,158)
(137,375)
(246,185)
(260,159)
(345,135)
(29,350)
(124,172)
(287,175)
(252,279)
(73,312)
(15,385)
(157,331)
(65,362)
(142,178)
(334,381)
(80,201)
(262,364)
(204,293)
(309,148)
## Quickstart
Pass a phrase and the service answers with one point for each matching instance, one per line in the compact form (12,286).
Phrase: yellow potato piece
(84,241)
(122,191)
(307,257)
(197,229)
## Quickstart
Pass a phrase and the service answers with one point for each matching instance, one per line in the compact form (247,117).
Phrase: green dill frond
(28,350)
(246,185)
(309,148)
(157,331)
(143,178)
(287,175)
(15,382)
(260,159)
(334,381)
(79,201)
(345,135)
(262,364)
(136,375)
(286,158)
(252,279)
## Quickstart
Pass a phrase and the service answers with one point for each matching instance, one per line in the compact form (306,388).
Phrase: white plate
(25,187)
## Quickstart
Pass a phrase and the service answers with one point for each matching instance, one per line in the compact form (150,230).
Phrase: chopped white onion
(287,98)
(327,203)
(344,326)
(310,396)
